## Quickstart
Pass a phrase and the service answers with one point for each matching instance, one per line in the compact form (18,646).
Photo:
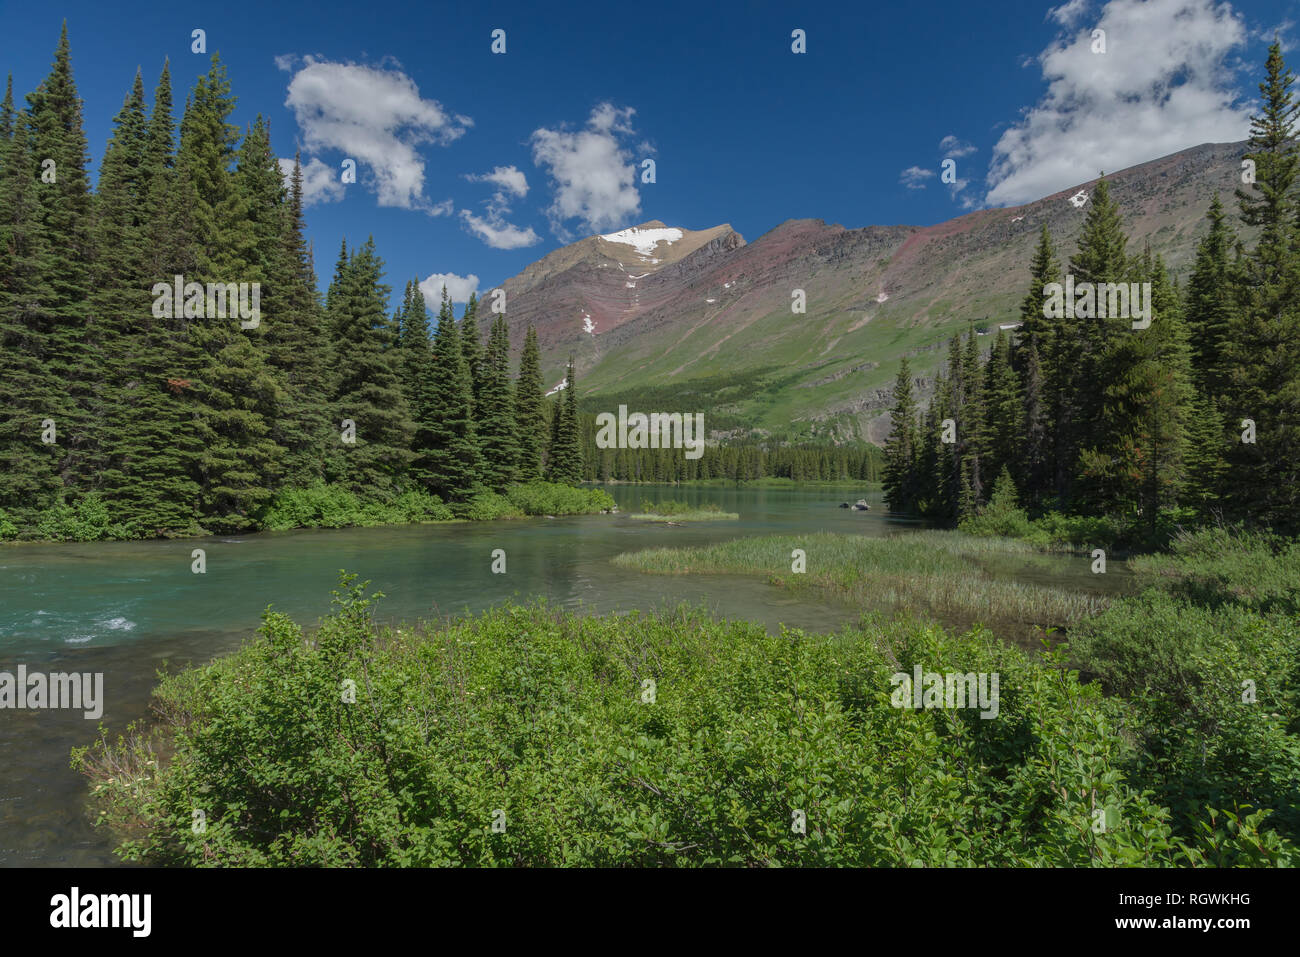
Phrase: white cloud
(497,233)
(592,174)
(320,183)
(493,228)
(510,180)
(914,177)
(1161,86)
(458,287)
(1069,13)
(375,116)
(953,147)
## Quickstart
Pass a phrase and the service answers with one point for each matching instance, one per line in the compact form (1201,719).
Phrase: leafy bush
(8,529)
(86,521)
(336,506)
(552,498)
(641,740)
(486,507)
(1209,659)
(1002,516)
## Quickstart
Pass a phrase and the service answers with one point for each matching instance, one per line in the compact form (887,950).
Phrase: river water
(126,609)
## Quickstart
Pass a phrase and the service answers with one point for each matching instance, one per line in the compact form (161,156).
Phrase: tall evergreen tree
(450,456)
(1262,350)
(901,447)
(57,312)
(495,418)
(564,457)
(471,346)
(530,410)
(367,381)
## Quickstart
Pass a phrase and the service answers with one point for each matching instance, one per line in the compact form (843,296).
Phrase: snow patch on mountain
(564,384)
(588,325)
(644,241)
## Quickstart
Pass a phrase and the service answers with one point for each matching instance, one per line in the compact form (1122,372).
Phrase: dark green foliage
(901,448)
(495,415)
(448,456)
(367,384)
(588,770)
(530,413)
(564,456)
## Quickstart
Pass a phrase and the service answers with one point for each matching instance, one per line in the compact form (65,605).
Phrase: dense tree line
(738,460)
(1199,411)
(189,418)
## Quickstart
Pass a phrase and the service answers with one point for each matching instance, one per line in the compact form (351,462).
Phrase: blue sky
(474,164)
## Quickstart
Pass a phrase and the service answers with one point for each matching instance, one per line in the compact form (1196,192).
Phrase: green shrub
(552,498)
(8,530)
(336,506)
(86,521)
(665,740)
(1208,657)
(486,507)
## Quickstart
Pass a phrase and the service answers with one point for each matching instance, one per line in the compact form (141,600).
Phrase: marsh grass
(680,512)
(939,572)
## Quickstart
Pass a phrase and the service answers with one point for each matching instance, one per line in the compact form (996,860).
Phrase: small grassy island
(674,512)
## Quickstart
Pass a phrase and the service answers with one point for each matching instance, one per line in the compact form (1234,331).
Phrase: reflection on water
(125,609)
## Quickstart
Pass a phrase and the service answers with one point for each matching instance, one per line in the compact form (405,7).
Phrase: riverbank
(327,506)
(527,736)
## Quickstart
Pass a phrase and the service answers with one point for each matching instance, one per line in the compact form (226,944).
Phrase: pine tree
(495,419)
(29,468)
(1210,303)
(901,447)
(1035,328)
(450,455)
(296,341)
(235,389)
(367,383)
(564,457)
(1138,465)
(1035,460)
(1004,408)
(60,375)
(530,414)
(1088,347)
(471,346)
(1262,349)
(156,449)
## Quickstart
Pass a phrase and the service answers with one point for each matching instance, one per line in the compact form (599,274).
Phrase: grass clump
(934,571)
(671,511)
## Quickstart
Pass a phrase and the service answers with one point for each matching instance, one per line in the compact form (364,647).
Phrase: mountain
(702,320)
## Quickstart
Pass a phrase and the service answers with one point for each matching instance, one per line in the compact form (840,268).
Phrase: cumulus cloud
(496,232)
(509,180)
(914,177)
(953,147)
(375,116)
(1069,13)
(458,287)
(320,183)
(592,174)
(1161,86)
(493,228)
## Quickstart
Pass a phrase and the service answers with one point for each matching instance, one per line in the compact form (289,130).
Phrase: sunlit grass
(932,571)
